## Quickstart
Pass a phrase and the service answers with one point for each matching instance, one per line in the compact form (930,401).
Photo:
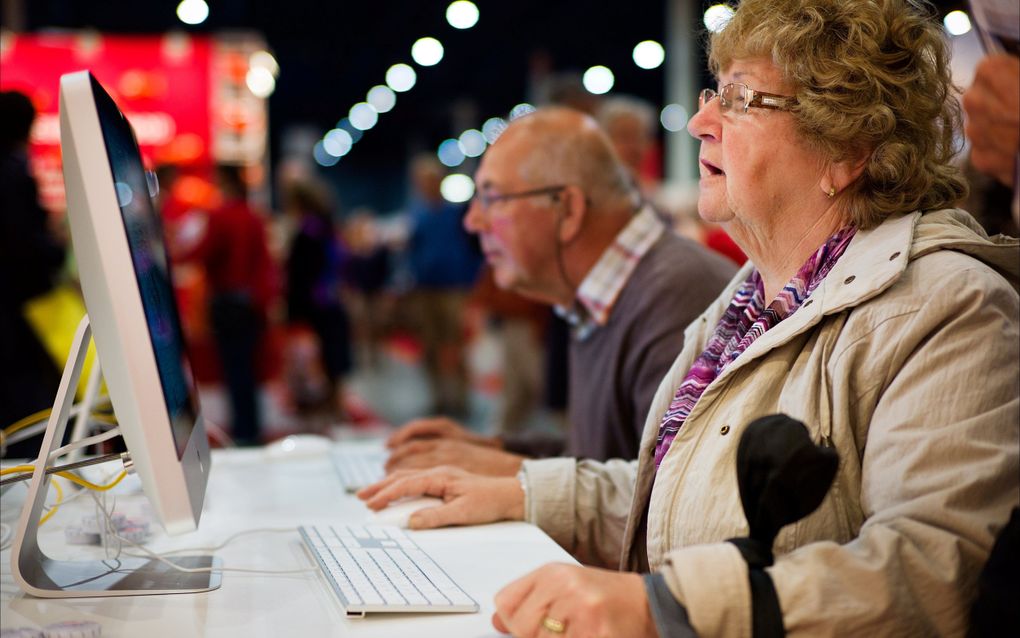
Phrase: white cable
(27,432)
(193,570)
(98,438)
(37,428)
(230,539)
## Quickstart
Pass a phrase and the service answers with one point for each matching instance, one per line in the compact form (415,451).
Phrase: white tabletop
(249,490)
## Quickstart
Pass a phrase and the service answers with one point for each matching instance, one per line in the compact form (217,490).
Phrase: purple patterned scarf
(743,322)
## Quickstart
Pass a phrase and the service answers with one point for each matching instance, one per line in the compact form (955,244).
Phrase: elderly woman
(872,311)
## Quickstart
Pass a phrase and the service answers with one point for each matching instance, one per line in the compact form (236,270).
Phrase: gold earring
(832,192)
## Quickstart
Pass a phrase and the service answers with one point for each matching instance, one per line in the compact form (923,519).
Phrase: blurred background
(329,127)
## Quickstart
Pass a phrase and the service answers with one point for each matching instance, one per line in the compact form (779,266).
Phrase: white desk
(246,491)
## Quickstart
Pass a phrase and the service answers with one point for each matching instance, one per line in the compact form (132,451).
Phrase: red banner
(161,83)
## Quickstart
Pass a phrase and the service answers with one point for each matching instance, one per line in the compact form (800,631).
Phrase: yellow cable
(17,468)
(32,419)
(69,476)
(56,504)
(21,424)
(92,486)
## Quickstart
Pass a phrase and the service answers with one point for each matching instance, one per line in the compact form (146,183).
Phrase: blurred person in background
(873,312)
(315,263)
(992,106)
(630,123)
(444,264)
(231,246)
(560,222)
(31,257)
(519,325)
(367,272)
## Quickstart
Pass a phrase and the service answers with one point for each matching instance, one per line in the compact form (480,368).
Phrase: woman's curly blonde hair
(872,81)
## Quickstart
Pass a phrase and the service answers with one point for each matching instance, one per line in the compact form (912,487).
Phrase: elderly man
(560,222)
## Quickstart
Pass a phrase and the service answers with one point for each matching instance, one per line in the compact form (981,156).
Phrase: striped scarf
(744,321)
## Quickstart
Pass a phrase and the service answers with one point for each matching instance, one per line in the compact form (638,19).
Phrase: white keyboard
(358,467)
(376,568)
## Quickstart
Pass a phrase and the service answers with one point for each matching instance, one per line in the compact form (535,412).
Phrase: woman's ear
(845,172)
(573,209)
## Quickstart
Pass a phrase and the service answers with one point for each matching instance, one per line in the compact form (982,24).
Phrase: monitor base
(39,575)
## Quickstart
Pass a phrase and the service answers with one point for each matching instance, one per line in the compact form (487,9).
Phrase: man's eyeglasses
(738,97)
(485,200)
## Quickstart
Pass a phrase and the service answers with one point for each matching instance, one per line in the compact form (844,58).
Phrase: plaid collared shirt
(601,287)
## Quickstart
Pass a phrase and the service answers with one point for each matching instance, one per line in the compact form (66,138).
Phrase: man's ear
(573,208)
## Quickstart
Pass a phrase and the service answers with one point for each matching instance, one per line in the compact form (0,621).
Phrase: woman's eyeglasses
(737,97)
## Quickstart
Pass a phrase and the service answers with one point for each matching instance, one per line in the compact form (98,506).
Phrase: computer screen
(125,276)
(144,234)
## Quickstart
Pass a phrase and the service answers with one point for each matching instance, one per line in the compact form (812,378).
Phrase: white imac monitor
(125,278)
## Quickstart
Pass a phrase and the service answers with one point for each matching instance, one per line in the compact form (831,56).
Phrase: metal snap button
(724,430)
(849,279)
(894,255)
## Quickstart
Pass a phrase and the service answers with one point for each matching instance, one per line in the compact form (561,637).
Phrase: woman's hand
(469,499)
(425,453)
(574,601)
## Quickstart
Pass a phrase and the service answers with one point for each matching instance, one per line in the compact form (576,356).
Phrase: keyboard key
(381,568)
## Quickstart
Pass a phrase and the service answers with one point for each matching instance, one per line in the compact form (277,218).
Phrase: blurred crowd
(298,296)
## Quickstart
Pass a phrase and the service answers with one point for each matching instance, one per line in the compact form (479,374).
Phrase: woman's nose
(705,123)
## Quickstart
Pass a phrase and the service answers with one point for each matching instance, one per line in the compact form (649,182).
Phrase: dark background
(331,52)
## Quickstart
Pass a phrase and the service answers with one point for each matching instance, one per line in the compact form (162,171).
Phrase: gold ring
(553,625)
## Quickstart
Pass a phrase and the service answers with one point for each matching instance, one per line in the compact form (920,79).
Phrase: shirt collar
(601,287)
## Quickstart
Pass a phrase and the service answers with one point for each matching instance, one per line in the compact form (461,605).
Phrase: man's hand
(438,428)
(582,601)
(992,105)
(469,499)
(425,453)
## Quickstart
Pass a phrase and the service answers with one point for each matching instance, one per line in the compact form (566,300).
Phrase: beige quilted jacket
(905,359)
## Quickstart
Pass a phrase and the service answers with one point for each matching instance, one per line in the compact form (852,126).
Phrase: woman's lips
(711,168)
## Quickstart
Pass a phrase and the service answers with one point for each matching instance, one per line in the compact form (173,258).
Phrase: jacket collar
(874,260)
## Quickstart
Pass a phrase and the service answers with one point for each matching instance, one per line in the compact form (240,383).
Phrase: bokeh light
(382,98)
(363,116)
(401,77)
(260,81)
(265,60)
(472,142)
(521,110)
(192,11)
(449,153)
(322,158)
(649,54)
(957,22)
(462,14)
(493,128)
(355,133)
(457,188)
(427,51)
(673,117)
(598,80)
(337,142)
(717,17)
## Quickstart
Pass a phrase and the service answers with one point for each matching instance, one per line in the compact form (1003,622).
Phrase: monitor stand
(39,575)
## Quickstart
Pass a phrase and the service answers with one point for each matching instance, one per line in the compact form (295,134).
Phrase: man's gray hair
(579,155)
